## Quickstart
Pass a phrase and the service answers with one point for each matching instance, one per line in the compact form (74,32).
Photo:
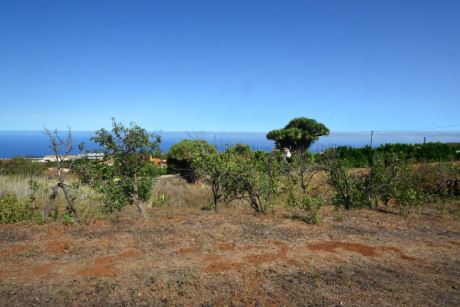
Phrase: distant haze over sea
(36,143)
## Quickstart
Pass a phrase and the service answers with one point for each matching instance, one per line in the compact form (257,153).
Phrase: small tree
(182,155)
(212,169)
(254,177)
(298,134)
(391,178)
(349,185)
(123,177)
(61,148)
(302,169)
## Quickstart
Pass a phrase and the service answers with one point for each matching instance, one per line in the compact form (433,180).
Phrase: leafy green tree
(212,168)
(254,177)
(302,170)
(299,134)
(124,177)
(349,185)
(182,155)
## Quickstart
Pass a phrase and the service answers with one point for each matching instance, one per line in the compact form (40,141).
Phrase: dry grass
(87,201)
(171,191)
(175,192)
(19,187)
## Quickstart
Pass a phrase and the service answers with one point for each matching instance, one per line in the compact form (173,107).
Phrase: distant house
(49,158)
(52,158)
(157,161)
(94,156)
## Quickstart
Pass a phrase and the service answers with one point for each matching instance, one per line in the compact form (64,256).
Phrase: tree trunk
(70,206)
(255,203)
(141,209)
(216,196)
(136,199)
(303,184)
(216,200)
(52,202)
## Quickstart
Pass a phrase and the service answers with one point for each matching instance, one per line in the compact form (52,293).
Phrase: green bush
(391,178)
(14,211)
(22,167)
(182,155)
(305,202)
(349,185)
(429,152)
(254,177)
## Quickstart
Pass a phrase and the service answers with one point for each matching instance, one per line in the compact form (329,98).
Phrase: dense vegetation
(181,157)
(429,152)
(21,166)
(398,175)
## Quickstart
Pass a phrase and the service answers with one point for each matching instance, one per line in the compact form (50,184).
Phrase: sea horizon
(34,143)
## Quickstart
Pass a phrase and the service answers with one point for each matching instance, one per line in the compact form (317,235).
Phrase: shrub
(391,177)
(384,179)
(437,180)
(350,186)
(182,155)
(428,152)
(254,177)
(308,204)
(22,167)
(305,202)
(302,169)
(14,211)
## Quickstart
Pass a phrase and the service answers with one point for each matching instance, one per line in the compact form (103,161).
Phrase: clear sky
(229,65)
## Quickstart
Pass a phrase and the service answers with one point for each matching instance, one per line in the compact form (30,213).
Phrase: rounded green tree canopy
(298,134)
(182,155)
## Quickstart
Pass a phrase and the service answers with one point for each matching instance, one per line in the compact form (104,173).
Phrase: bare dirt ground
(192,257)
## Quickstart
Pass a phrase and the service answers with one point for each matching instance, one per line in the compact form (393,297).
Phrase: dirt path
(199,258)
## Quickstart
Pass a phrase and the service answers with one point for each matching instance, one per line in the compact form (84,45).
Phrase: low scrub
(21,167)
(350,187)
(13,211)
(391,178)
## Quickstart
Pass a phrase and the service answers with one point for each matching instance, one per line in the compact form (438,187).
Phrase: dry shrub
(433,178)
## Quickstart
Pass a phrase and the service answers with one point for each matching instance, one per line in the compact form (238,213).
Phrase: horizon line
(252,132)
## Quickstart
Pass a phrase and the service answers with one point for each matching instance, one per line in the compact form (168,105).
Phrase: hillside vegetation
(237,227)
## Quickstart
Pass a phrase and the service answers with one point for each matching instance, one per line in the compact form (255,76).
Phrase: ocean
(36,143)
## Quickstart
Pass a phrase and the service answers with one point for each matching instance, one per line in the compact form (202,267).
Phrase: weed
(338,217)
(68,219)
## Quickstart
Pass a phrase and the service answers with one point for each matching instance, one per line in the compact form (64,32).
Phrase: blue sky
(229,65)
